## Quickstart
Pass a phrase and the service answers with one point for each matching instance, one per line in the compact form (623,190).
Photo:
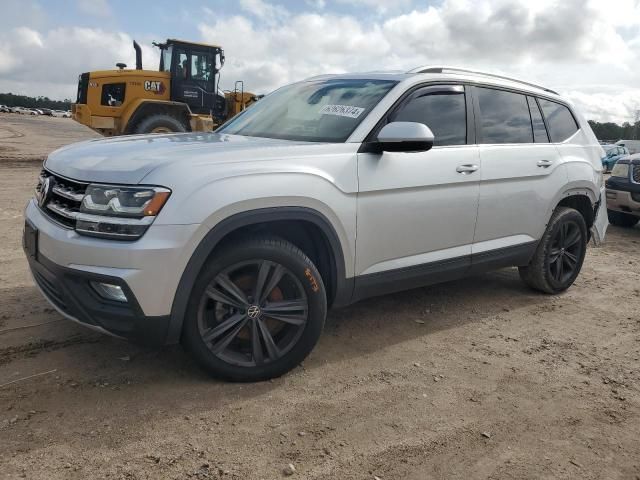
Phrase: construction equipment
(183,95)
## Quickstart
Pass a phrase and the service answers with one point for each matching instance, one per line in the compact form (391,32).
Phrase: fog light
(109,291)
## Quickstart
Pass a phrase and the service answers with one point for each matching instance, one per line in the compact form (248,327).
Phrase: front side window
(314,111)
(561,123)
(182,65)
(444,112)
(504,117)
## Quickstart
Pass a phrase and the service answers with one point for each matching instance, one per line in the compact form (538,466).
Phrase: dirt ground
(479,378)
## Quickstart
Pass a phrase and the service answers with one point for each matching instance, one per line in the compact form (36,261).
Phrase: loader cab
(194,69)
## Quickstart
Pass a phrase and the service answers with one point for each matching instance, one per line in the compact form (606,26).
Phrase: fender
(133,111)
(344,286)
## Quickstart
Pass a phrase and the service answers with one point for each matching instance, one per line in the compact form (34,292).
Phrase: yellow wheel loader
(182,96)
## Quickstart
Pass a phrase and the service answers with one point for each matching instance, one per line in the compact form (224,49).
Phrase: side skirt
(391,281)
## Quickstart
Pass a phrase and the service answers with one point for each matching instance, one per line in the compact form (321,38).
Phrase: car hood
(129,159)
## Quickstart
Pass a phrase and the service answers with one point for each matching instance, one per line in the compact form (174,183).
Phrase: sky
(589,50)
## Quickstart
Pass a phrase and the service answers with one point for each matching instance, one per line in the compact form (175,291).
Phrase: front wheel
(256,310)
(560,253)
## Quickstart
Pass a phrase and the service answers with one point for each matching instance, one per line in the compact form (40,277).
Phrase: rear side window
(539,130)
(504,117)
(559,120)
(444,112)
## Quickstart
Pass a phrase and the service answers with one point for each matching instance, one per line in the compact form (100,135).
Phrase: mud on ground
(479,378)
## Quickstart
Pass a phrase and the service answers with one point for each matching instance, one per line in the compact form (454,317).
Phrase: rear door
(521,171)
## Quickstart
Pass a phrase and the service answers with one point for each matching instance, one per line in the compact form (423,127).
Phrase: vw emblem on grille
(45,191)
(253,311)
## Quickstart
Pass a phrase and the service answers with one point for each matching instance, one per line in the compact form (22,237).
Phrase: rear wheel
(621,219)
(560,253)
(256,311)
(160,123)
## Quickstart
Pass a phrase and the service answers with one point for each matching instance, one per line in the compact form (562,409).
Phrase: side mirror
(405,137)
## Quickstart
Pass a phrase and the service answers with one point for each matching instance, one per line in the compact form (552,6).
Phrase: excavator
(183,95)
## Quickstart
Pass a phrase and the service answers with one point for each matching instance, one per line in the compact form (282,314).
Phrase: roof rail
(442,69)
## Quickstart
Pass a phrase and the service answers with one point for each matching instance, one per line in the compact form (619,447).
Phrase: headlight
(119,212)
(620,170)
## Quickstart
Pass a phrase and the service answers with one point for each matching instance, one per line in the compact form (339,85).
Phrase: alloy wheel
(566,252)
(252,313)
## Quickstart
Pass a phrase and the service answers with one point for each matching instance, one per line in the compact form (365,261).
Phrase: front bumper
(147,269)
(70,292)
(623,201)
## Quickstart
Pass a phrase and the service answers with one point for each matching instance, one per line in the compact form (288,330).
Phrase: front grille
(60,197)
(635,175)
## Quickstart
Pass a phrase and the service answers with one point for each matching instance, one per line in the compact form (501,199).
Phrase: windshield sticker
(342,110)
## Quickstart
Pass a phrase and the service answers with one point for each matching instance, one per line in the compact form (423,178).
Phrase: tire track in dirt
(31,349)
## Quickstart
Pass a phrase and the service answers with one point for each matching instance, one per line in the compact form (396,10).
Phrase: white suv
(325,192)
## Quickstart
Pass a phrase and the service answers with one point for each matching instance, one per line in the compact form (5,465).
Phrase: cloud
(49,63)
(265,11)
(569,45)
(587,49)
(97,8)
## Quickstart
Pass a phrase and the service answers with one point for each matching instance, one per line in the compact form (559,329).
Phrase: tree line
(603,131)
(613,131)
(11,100)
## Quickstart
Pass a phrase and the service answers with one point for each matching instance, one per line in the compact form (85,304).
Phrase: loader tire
(160,123)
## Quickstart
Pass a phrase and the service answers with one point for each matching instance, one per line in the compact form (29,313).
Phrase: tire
(225,326)
(560,253)
(621,219)
(160,123)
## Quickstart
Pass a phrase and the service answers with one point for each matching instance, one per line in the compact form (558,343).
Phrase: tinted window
(504,117)
(539,130)
(443,112)
(559,120)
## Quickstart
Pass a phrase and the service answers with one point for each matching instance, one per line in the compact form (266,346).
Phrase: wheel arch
(299,225)
(583,200)
(145,108)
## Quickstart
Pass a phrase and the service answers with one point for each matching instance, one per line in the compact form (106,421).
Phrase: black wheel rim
(566,252)
(252,313)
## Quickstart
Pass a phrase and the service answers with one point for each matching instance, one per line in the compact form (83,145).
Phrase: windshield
(316,111)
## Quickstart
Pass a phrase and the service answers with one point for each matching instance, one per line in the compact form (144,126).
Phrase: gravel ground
(479,378)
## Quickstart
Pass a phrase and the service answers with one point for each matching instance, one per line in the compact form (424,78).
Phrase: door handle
(466,169)
(545,163)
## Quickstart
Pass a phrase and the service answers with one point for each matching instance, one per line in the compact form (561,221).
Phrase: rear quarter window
(559,119)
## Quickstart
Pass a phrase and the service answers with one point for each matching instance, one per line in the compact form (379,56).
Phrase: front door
(417,209)
(194,80)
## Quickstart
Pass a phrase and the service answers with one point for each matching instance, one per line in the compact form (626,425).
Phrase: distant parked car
(632,145)
(60,113)
(623,192)
(36,111)
(46,111)
(23,111)
(613,154)
(5,109)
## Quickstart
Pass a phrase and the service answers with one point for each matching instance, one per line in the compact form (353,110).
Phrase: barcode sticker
(342,110)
